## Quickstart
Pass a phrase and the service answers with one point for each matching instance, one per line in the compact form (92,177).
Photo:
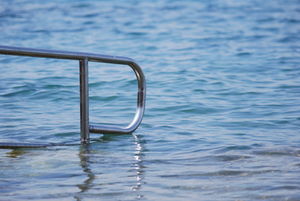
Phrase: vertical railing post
(84,101)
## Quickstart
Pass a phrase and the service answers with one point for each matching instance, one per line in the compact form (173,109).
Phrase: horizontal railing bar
(57,54)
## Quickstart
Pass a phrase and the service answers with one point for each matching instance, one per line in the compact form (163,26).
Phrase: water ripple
(222,115)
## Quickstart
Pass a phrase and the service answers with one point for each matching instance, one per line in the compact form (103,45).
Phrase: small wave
(200,110)
(234,148)
(278,152)
(227,158)
(20,92)
(91,15)
(188,109)
(291,21)
(288,39)
(221,173)
(243,54)
(53,95)
(104,98)
(137,33)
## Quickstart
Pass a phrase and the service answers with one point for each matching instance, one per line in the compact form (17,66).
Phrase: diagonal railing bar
(84,58)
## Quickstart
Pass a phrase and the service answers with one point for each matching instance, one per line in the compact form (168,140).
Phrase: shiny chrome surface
(84,58)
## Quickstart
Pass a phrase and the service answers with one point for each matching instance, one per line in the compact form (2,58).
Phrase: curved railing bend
(83,59)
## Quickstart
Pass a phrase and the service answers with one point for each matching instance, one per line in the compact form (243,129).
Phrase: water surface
(223,89)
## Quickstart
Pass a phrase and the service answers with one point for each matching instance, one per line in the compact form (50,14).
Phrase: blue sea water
(222,118)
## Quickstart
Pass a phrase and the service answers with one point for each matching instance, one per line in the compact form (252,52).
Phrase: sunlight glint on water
(223,89)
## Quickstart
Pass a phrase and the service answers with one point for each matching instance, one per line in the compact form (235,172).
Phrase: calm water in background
(223,90)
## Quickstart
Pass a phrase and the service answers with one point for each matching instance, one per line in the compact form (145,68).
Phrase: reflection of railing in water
(84,156)
(86,159)
(84,58)
(138,166)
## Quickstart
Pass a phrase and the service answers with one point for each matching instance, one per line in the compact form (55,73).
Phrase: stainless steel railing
(84,58)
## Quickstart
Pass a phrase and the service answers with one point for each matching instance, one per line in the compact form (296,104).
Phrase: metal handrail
(83,59)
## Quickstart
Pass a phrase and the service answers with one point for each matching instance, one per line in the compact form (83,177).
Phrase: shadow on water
(15,153)
(88,154)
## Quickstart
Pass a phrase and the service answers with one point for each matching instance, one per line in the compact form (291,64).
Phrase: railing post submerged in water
(84,58)
(84,101)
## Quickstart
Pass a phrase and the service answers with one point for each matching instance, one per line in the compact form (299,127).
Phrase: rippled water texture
(223,111)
